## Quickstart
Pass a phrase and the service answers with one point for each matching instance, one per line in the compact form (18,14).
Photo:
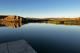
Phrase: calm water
(45,38)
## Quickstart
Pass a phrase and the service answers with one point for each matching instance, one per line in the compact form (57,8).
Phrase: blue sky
(40,8)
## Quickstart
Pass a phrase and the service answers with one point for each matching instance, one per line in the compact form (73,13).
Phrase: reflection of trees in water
(68,22)
(64,22)
(15,24)
(33,20)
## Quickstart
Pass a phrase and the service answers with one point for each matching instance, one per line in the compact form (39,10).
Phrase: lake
(45,37)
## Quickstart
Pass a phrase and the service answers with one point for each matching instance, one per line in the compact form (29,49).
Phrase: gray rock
(20,46)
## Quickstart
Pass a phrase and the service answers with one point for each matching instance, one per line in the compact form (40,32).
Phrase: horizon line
(44,16)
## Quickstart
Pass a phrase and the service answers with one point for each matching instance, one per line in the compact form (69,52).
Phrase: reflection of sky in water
(47,38)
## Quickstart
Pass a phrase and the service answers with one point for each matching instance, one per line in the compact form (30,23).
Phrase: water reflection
(19,24)
(65,22)
(44,38)
(11,24)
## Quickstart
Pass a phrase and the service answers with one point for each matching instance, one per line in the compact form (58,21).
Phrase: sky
(40,8)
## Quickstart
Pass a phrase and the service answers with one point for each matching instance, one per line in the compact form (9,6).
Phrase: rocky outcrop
(10,18)
(11,21)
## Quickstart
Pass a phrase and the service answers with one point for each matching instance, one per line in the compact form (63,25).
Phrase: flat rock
(20,46)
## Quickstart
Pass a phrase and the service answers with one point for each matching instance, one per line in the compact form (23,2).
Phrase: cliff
(10,18)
